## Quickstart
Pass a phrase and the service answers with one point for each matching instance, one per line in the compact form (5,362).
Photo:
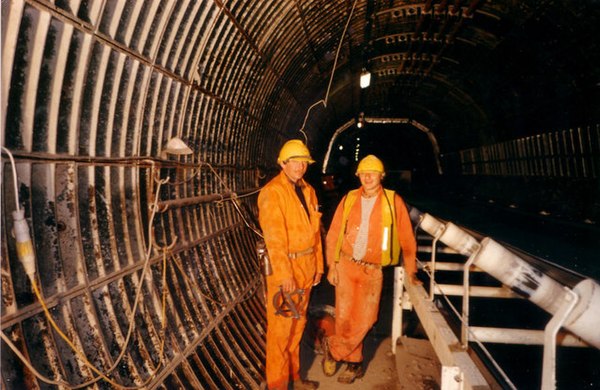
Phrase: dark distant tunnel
(142,130)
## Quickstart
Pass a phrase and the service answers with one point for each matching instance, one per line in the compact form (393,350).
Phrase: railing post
(432,263)
(550,332)
(452,378)
(397,306)
(464,337)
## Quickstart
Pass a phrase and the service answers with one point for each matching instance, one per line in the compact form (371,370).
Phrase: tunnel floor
(413,366)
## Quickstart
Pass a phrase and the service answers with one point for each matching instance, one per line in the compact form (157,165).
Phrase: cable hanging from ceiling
(337,54)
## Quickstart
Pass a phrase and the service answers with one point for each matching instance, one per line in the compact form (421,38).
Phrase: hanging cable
(234,200)
(27,257)
(337,54)
(15,182)
(28,364)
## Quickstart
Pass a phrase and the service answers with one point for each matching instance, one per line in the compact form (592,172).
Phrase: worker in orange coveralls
(370,228)
(290,221)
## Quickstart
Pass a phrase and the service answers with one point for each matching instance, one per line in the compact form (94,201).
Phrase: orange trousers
(284,333)
(357,297)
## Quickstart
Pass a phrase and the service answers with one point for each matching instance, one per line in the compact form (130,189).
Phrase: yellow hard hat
(370,164)
(294,150)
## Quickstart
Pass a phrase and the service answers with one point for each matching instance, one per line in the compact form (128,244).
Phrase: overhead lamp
(365,78)
(361,121)
(177,147)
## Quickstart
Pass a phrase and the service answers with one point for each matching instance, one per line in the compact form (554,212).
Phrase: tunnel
(137,134)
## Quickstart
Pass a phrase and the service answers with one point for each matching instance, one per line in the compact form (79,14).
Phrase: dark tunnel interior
(141,132)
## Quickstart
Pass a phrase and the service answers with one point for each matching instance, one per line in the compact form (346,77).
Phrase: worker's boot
(353,371)
(328,363)
(304,384)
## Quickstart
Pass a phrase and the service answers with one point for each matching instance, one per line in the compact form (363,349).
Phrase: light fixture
(175,146)
(361,121)
(365,78)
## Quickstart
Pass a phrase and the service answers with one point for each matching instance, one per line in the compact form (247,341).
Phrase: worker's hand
(288,285)
(414,281)
(332,276)
(317,279)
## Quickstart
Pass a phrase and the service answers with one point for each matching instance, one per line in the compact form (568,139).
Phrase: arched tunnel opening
(142,131)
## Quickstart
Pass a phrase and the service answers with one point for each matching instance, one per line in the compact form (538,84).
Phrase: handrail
(523,277)
(573,305)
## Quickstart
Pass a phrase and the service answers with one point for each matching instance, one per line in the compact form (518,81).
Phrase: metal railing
(574,306)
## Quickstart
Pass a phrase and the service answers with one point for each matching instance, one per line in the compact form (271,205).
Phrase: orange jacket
(285,225)
(402,223)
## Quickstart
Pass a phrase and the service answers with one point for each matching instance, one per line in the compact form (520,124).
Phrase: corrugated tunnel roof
(93,90)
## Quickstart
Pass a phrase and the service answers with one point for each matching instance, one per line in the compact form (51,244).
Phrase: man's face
(294,169)
(370,181)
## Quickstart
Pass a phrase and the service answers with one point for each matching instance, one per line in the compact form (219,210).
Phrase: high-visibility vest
(390,245)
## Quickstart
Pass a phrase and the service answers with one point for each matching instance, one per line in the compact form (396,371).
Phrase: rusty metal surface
(210,276)
(93,90)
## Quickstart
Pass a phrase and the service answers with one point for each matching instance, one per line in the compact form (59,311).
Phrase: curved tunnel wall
(92,91)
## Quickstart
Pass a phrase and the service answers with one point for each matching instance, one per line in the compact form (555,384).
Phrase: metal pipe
(432,268)
(194,200)
(583,320)
(543,290)
(474,291)
(521,336)
(552,328)
(465,309)
(524,278)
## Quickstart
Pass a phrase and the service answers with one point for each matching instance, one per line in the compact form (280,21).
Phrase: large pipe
(542,290)
(194,200)
(524,278)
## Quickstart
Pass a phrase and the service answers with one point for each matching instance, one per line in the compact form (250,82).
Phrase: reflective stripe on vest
(390,246)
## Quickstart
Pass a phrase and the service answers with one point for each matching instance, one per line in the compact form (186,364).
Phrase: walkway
(413,367)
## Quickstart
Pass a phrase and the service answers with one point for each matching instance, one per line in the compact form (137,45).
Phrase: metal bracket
(550,332)
(452,378)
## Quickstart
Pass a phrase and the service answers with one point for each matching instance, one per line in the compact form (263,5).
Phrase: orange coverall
(287,229)
(358,291)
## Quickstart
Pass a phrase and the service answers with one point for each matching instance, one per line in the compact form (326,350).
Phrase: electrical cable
(28,364)
(26,255)
(69,342)
(337,54)
(15,181)
(154,208)
(238,209)
(234,199)
(103,375)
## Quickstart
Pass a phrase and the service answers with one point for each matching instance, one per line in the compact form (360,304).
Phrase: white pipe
(584,320)
(458,239)
(542,290)
(475,291)
(524,278)
(522,336)
(431,225)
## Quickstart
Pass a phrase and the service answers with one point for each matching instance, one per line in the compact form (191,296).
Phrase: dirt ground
(413,366)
